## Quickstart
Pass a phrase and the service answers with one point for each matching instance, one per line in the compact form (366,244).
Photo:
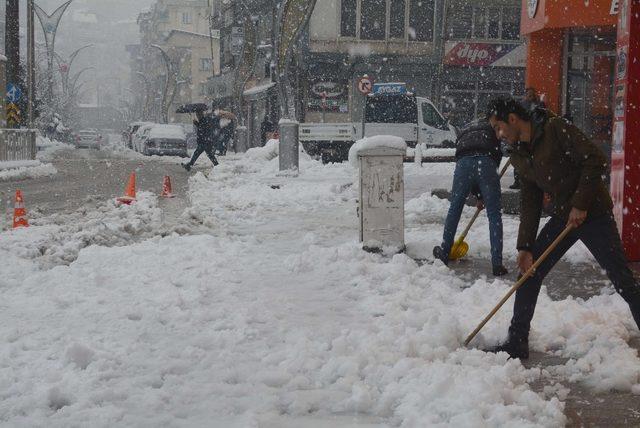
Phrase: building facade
(483,56)
(458,53)
(384,40)
(177,55)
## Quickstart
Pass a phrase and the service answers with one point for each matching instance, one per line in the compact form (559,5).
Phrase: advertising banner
(484,54)
(625,153)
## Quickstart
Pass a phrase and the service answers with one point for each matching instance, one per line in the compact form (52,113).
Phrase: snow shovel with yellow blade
(460,248)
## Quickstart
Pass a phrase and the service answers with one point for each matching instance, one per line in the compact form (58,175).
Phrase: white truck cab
(388,110)
(391,110)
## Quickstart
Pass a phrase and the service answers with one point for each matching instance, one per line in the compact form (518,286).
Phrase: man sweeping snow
(553,156)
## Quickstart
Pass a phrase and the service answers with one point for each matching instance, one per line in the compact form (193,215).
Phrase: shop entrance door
(589,96)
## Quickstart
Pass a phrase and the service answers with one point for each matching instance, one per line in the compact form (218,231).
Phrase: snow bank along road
(255,307)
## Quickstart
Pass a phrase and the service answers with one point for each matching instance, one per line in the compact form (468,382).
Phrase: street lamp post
(170,72)
(147,96)
(292,19)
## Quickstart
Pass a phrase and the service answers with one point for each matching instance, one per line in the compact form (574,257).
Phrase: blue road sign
(389,88)
(14,93)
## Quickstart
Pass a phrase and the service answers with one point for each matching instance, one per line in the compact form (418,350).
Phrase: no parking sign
(365,85)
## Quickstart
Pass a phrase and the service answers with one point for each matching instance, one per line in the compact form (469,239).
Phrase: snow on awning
(259,89)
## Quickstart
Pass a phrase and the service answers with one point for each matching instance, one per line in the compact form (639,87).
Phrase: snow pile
(18,170)
(168,132)
(275,313)
(47,148)
(268,152)
(57,240)
(385,141)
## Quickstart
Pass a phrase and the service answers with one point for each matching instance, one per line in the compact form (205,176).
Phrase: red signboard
(625,148)
(484,54)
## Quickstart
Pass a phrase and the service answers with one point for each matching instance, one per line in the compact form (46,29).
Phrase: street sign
(14,93)
(13,115)
(365,85)
(237,40)
(389,88)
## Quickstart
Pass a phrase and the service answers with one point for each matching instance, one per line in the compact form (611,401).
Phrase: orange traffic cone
(130,191)
(19,212)
(166,188)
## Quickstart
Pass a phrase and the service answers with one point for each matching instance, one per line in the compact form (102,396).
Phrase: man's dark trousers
(600,235)
(209,149)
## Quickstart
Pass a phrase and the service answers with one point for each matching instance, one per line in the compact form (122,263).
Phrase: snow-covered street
(254,306)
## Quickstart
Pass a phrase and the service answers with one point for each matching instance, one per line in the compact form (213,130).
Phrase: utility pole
(31,62)
(12,50)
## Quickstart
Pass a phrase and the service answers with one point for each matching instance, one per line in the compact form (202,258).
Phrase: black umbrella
(192,108)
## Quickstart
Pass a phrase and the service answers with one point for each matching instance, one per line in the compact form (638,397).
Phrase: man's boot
(514,346)
(635,311)
(440,254)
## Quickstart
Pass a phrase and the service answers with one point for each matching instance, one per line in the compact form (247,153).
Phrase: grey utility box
(381,202)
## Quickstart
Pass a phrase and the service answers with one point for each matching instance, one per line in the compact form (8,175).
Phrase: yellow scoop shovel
(460,248)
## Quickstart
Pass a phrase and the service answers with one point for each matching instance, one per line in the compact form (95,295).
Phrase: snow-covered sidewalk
(16,170)
(264,311)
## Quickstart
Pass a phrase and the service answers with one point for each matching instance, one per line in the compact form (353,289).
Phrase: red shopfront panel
(625,154)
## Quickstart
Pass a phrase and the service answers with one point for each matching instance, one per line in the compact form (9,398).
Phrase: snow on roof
(258,89)
(189,33)
(378,141)
(167,131)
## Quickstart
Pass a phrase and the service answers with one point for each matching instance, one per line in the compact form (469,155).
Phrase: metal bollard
(241,143)
(289,157)
(381,201)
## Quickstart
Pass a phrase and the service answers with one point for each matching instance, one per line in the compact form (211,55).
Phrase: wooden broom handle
(521,281)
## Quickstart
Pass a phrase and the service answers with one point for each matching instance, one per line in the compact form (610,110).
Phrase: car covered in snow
(138,137)
(129,133)
(163,140)
(89,139)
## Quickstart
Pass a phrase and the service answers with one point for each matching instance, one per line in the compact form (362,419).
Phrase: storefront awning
(545,14)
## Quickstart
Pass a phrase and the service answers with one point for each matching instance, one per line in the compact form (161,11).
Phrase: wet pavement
(584,408)
(86,177)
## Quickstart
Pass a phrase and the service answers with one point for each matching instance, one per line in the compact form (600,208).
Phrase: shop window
(510,23)
(493,23)
(396,19)
(373,18)
(479,23)
(431,117)
(206,64)
(421,20)
(348,18)
(459,22)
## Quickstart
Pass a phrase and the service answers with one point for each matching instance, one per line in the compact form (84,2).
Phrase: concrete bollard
(241,143)
(381,202)
(289,146)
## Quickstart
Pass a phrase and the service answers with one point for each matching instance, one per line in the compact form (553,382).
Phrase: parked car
(131,130)
(88,138)
(163,140)
(140,134)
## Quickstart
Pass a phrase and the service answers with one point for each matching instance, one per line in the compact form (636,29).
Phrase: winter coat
(207,130)
(562,162)
(479,140)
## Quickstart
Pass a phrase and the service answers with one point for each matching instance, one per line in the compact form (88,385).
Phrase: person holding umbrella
(207,131)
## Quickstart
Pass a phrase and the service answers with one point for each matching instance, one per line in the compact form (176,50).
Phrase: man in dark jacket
(530,102)
(207,132)
(478,156)
(554,157)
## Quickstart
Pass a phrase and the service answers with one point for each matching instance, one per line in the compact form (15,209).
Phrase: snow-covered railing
(17,144)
